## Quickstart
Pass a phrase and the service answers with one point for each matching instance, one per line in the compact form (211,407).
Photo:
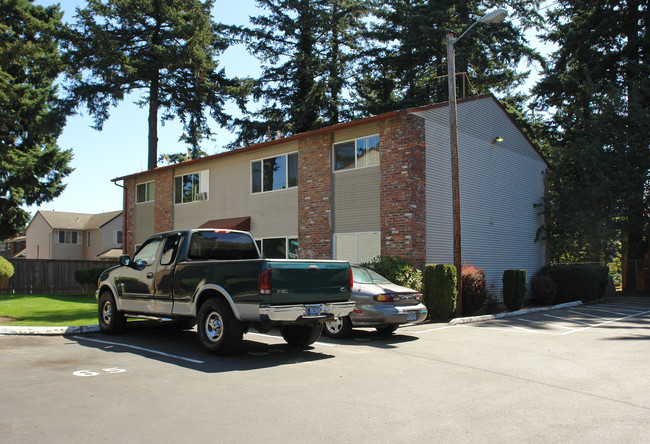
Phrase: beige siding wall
(357,200)
(273,214)
(38,239)
(107,234)
(143,221)
(499,184)
(69,251)
(356,132)
(91,252)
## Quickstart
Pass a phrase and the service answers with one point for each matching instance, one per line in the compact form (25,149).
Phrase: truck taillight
(351,279)
(264,286)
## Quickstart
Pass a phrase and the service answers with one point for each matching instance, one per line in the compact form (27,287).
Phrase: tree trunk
(153,123)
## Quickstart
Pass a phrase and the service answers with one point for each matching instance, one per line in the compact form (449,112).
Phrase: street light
(496,16)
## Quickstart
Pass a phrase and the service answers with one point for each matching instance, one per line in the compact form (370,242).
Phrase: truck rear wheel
(111,320)
(301,335)
(220,333)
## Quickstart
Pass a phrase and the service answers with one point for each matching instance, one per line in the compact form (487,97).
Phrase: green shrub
(544,289)
(397,270)
(514,289)
(88,275)
(474,291)
(440,291)
(6,269)
(578,282)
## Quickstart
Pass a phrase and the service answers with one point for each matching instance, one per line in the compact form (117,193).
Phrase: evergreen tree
(598,87)
(405,64)
(166,48)
(32,166)
(305,49)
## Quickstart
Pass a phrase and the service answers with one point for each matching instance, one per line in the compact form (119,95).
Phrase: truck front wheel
(301,335)
(220,333)
(111,320)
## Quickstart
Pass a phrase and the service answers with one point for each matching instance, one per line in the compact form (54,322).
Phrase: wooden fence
(48,276)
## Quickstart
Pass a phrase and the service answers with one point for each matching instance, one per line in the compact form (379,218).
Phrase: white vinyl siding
(499,186)
(357,247)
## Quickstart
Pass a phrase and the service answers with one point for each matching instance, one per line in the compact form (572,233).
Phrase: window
(221,245)
(191,187)
(169,249)
(67,237)
(144,192)
(274,173)
(276,248)
(357,153)
(357,247)
(117,236)
(88,239)
(146,255)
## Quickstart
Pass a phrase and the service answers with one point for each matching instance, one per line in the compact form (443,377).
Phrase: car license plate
(313,310)
(411,316)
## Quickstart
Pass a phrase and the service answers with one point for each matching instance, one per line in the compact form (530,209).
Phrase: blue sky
(121,147)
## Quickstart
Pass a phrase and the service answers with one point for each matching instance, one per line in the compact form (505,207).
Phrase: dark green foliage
(88,275)
(578,282)
(440,291)
(474,291)
(397,270)
(544,289)
(167,50)
(6,269)
(597,89)
(31,115)
(514,289)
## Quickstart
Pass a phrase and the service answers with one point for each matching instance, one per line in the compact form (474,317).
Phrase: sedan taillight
(387,297)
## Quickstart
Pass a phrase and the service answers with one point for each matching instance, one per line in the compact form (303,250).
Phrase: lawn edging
(467,320)
(48,331)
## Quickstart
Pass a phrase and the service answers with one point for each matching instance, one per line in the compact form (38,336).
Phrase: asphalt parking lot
(577,374)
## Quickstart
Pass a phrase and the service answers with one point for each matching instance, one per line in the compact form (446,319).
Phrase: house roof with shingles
(60,220)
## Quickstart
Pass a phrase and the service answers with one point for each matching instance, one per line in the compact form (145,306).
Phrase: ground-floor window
(278,247)
(357,247)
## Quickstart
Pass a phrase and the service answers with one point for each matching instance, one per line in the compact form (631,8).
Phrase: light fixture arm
(496,16)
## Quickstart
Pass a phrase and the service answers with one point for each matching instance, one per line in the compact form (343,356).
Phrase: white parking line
(135,347)
(569,320)
(547,323)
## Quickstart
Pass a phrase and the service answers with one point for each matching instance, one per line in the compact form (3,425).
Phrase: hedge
(514,288)
(578,282)
(6,269)
(440,291)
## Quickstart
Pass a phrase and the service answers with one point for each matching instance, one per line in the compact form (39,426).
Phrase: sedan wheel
(339,328)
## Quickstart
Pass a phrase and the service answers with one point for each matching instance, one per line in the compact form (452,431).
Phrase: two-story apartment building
(380,185)
(74,236)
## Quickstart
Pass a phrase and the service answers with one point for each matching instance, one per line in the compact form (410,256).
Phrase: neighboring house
(61,235)
(13,248)
(380,185)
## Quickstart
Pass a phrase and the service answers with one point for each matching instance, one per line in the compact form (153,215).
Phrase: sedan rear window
(365,276)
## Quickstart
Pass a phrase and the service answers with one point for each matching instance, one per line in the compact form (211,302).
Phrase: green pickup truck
(216,280)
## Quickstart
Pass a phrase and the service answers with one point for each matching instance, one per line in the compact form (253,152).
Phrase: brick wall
(315,197)
(163,203)
(128,217)
(403,180)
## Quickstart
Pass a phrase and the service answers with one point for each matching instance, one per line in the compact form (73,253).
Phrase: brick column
(315,197)
(128,217)
(403,180)
(163,217)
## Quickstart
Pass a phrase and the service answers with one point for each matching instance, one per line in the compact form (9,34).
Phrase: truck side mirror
(125,260)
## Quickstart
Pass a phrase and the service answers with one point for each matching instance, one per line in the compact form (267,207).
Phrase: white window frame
(202,194)
(286,178)
(146,192)
(79,239)
(115,240)
(356,157)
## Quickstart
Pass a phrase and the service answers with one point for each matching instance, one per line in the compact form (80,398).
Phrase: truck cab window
(169,249)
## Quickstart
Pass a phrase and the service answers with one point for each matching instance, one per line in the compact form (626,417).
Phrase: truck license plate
(313,310)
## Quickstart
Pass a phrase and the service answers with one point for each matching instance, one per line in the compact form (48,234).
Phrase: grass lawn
(49,309)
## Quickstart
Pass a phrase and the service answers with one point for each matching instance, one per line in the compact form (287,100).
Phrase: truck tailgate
(304,282)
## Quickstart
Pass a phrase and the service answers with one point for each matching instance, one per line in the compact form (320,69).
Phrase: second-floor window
(274,173)
(67,237)
(144,192)
(356,153)
(191,187)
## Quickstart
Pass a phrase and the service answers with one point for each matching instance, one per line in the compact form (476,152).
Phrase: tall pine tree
(598,87)
(167,49)
(32,166)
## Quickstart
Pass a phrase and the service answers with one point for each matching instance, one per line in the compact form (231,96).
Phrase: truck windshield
(221,245)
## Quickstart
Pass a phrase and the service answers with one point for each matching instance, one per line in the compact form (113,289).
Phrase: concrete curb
(48,331)
(467,320)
